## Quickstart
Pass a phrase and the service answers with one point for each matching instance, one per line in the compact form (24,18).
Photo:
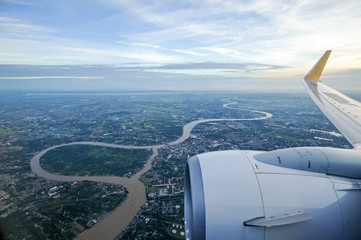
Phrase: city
(36,208)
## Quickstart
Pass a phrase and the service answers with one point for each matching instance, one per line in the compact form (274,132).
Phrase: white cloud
(67,51)
(52,77)
(286,33)
(14,25)
(146,45)
(19,2)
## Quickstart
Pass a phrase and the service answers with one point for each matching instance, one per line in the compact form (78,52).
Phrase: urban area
(32,207)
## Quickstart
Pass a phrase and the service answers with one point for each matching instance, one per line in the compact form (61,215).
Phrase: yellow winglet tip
(316,71)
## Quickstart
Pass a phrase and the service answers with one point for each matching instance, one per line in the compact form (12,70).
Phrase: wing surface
(344,112)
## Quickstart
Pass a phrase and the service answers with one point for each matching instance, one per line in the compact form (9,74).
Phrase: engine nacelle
(238,195)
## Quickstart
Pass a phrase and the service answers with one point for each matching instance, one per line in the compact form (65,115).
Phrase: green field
(93,160)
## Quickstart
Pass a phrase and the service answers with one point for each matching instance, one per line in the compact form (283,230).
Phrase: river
(114,223)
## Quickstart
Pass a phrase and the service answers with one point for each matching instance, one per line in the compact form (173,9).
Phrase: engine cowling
(231,195)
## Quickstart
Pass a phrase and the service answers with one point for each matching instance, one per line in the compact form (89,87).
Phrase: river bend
(114,223)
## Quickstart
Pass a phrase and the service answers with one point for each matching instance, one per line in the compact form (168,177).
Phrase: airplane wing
(342,111)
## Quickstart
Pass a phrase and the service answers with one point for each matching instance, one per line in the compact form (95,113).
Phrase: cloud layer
(261,39)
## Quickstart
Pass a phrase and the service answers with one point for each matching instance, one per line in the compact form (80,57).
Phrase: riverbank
(119,219)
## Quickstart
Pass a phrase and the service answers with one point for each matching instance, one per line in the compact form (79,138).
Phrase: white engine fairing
(283,194)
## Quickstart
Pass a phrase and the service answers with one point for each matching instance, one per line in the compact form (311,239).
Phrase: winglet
(316,71)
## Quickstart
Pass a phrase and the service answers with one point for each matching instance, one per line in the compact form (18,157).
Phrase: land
(32,122)
(61,211)
(81,160)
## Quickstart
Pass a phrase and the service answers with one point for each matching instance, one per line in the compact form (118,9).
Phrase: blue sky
(117,45)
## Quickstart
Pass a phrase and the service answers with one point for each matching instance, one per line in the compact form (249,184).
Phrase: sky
(214,45)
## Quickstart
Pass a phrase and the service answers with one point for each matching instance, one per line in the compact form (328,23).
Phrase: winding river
(114,223)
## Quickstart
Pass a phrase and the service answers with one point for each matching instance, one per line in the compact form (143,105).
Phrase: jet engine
(297,193)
